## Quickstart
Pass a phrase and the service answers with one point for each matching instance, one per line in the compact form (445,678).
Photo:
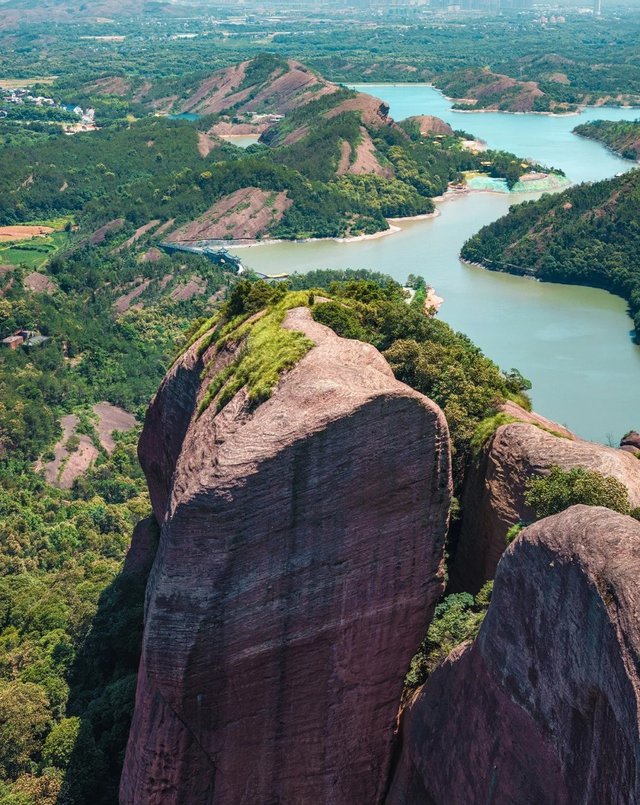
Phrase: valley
(566,339)
(299,502)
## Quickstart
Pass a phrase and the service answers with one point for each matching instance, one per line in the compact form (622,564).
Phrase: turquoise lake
(573,343)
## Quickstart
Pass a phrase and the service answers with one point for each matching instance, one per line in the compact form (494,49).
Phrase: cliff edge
(543,708)
(300,558)
(495,487)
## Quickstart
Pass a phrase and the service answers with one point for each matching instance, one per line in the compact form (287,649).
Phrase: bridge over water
(218,254)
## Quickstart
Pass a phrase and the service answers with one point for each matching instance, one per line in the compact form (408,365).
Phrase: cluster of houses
(24,338)
(87,116)
(21,95)
(553,20)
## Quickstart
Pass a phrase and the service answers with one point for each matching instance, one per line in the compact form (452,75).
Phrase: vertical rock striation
(300,557)
(543,709)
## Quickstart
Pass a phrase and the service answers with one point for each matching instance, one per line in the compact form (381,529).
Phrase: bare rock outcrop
(246,214)
(495,486)
(431,126)
(300,557)
(543,708)
(631,442)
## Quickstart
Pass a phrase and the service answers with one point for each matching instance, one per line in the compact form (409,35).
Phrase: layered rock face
(493,499)
(300,557)
(544,707)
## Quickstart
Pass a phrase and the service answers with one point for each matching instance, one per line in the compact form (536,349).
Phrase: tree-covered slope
(588,235)
(343,162)
(621,136)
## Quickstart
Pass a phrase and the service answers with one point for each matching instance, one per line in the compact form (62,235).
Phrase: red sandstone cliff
(300,557)
(543,709)
(495,486)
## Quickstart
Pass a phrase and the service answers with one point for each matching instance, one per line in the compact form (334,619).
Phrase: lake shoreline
(383,233)
(571,341)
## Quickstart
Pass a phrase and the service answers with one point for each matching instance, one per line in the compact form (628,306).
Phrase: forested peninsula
(621,136)
(587,235)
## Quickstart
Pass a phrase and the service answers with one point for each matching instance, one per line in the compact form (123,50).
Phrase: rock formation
(300,557)
(493,499)
(430,125)
(631,442)
(543,708)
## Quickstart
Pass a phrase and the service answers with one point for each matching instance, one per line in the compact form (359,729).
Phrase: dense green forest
(621,136)
(565,58)
(70,622)
(588,235)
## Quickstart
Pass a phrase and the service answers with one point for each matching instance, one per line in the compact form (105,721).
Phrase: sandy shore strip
(393,228)
(352,239)
(425,216)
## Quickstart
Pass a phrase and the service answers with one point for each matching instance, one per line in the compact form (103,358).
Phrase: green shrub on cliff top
(266,351)
(487,428)
(560,489)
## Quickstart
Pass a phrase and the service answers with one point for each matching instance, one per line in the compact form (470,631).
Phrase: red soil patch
(366,160)
(165,281)
(247,214)
(295,136)
(164,105)
(167,225)
(483,84)
(345,158)
(206,144)
(213,94)
(78,462)
(110,419)
(373,111)
(66,466)
(291,90)
(124,302)
(99,235)
(152,255)
(39,283)
(109,86)
(226,128)
(281,93)
(558,78)
(142,230)
(430,125)
(141,92)
(23,232)
(195,287)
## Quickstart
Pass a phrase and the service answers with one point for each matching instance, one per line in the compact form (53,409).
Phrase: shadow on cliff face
(103,679)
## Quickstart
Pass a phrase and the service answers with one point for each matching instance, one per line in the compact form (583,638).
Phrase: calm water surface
(573,343)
